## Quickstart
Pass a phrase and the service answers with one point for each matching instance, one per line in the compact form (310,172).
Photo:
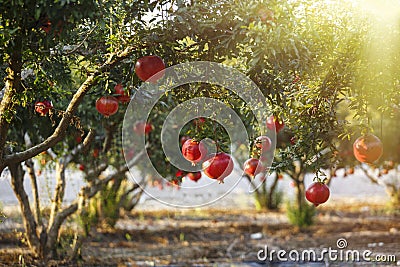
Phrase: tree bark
(300,190)
(85,193)
(35,192)
(271,192)
(58,192)
(17,183)
(12,86)
(133,201)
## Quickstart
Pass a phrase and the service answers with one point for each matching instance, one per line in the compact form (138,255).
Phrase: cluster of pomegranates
(147,68)
(216,166)
(219,165)
(367,149)
(175,182)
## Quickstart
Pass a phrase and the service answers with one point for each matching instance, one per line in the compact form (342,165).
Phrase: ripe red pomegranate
(107,105)
(148,66)
(263,142)
(293,140)
(368,148)
(193,151)
(78,138)
(317,193)
(174,183)
(43,107)
(141,127)
(180,173)
(252,167)
(96,152)
(274,122)
(350,171)
(184,139)
(122,95)
(219,166)
(194,176)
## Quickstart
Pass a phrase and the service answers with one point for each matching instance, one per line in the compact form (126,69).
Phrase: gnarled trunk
(30,225)
(300,190)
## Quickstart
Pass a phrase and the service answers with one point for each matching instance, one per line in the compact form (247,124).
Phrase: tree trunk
(78,239)
(270,204)
(300,191)
(394,194)
(58,192)
(17,183)
(36,202)
(56,207)
(12,86)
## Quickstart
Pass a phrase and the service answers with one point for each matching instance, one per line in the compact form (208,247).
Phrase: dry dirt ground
(218,237)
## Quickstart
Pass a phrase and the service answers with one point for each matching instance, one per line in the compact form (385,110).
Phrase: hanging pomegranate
(122,95)
(274,122)
(107,105)
(317,193)
(150,68)
(141,127)
(368,148)
(263,142)
(218,166)
(43,107)
(193,151)
(194,176)
(252,167)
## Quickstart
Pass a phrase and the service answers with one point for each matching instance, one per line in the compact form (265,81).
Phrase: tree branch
(86,192)
(12,87)
(369,176)
(59,132)
(61,166)
(35,192)
(17,183)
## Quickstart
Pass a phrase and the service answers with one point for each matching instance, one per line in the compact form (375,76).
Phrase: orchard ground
(225,233)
